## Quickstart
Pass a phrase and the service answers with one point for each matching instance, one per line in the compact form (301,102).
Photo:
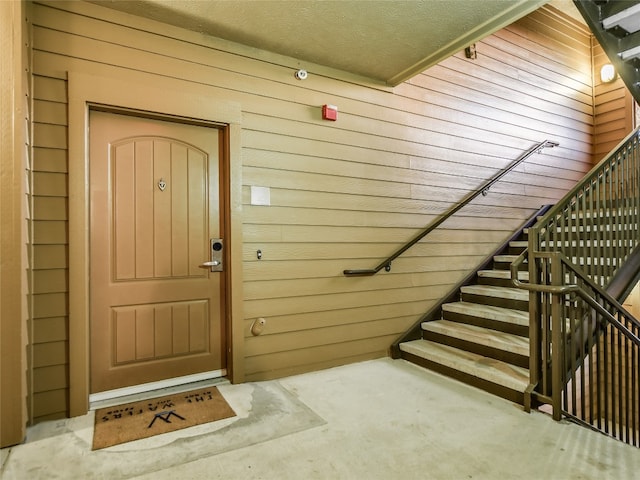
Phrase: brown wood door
(155,312)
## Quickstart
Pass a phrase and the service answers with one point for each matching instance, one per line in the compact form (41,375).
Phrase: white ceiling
(387,41)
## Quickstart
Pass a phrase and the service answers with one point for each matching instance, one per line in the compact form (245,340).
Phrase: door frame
(165,99)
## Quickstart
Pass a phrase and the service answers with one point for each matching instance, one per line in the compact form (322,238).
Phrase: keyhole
(162,185)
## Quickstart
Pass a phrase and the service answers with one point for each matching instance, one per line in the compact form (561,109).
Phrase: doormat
(146,418)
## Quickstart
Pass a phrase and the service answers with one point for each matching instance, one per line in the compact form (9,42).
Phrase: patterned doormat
(133,421)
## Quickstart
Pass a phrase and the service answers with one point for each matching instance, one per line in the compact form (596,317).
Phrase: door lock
(215,252)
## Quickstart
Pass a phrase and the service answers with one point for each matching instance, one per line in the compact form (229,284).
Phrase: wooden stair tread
(479,335)
(498,292)
(505,258)
(499,314)
(488,369)
(519,243)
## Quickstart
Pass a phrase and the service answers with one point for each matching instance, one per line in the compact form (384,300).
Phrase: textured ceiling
(387,41)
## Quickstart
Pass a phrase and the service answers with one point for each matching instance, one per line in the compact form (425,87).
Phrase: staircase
(616,25)
(583,345)
(482,339)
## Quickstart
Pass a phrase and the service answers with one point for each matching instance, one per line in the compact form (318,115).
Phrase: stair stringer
(435,312)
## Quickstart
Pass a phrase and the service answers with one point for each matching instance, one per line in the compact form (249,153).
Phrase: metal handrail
(386,264)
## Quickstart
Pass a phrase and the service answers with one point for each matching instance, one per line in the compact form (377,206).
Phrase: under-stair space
(616,25)
(482,339)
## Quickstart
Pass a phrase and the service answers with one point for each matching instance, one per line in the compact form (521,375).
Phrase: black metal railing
(597,224)
(588,367)
(386,264)
(575,251)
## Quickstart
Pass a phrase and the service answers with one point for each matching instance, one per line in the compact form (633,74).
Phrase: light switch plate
(260,195)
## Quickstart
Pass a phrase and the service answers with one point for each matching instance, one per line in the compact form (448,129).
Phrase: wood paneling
(157,331)
(150,239)
(613,109)
(343,194)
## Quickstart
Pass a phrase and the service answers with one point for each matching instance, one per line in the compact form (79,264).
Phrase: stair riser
(496,282)
(496,301)
(507,265)
(515,250)
(522,331)
(499,390)
(483,350)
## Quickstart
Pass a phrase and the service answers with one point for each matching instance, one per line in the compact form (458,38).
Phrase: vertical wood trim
(127,92)
(630,110)
(13,161)
(230,152)
(78,243)
(593,43)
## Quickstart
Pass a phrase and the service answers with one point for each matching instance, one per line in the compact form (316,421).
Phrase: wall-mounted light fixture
(608,73)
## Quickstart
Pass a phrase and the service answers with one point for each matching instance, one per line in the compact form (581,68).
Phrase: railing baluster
(599,377)
(571,335)
(610,255)
(593,399)
(599,235)
(582,354)
(619,387)
(633,399)
(611,369)
(624,200)
(625,407)
(557,337)
(591,236)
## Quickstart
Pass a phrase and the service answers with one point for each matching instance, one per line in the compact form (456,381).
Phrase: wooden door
(156,314)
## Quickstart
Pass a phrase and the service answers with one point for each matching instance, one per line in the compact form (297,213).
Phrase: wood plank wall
(613,105)
(343,194)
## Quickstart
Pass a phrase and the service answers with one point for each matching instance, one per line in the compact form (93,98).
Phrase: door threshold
(143,391)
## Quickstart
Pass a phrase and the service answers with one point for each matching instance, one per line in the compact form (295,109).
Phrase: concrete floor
(378,419)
